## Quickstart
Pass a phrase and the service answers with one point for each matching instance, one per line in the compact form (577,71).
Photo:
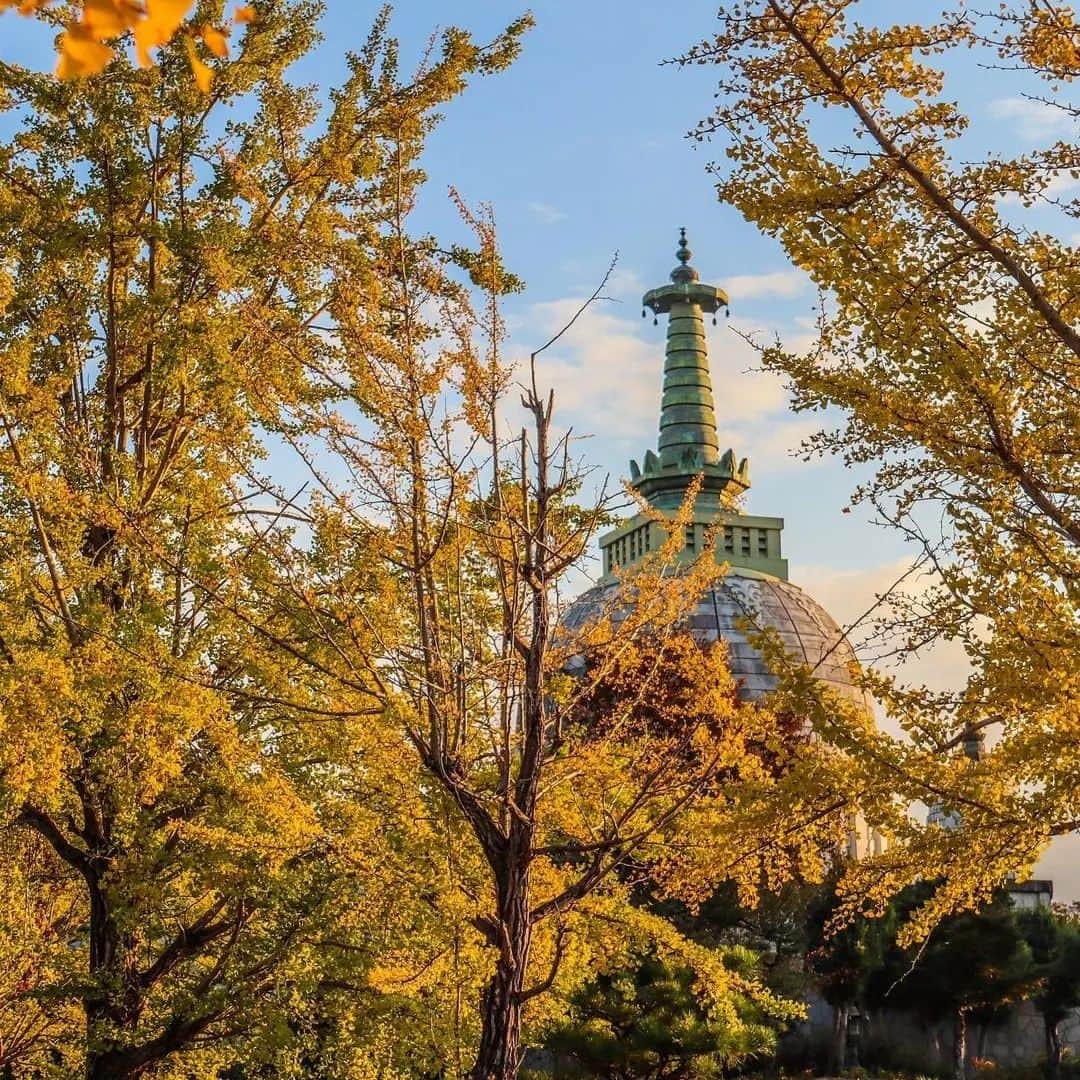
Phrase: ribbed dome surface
(810,634)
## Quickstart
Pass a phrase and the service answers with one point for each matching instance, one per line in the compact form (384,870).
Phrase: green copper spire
(688,444)
(689,448)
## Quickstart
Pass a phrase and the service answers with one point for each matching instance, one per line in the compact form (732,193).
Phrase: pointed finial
(684,273)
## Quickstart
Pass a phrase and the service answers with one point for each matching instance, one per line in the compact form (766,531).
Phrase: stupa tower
(689,446)
(755,591)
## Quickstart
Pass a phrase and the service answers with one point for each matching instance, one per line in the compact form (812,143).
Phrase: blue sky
(581,148)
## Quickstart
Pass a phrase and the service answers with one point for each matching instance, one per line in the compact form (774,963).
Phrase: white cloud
(771,444)
(606,379)
(1052,183)
(607,374)
(1033,119)
(979,317)
(547,214)
(849,594)
(782,283)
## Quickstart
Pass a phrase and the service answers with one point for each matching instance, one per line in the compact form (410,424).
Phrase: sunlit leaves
(204,74)
(85,48)
(146,737)
(82,53)
(947,337)
(167,711)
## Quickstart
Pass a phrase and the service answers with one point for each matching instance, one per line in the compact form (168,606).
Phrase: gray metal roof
(808,631)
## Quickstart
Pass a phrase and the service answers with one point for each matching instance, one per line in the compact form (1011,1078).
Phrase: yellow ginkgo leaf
(204,74)
(108,18)
(244,14)
(167,15)
(81,54)
(214,40)
(163,19)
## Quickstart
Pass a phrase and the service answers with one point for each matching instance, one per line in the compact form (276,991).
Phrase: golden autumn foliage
(947,338)
(235,842)
(188,839)
(40,913)
(291,710)
(84,43)
(449,541)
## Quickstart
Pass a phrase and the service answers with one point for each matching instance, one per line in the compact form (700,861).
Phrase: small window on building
(648,538)
(729,539)
(763,543)
(745,541)
(691,538)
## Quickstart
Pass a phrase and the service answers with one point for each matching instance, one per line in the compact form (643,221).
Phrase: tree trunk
(500,1052)
(106,1059)
(959,1067)
(114,1007)
(838,1047)
(1053,1048)
(96,1005)
(500,1043)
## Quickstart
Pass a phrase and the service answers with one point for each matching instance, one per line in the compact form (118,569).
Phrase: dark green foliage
(971,968)
(1054,941)
(975,961)
(1053,938)
(845,961)
(652,1022)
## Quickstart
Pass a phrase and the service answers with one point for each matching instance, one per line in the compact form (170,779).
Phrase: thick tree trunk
(838,1047)
(117,1005)
(959,1065)
(107,1058)
(1053,1048)
(500,1053)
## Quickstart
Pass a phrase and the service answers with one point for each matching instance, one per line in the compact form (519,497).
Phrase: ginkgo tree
(211,809)
(449,539)
(948,339)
